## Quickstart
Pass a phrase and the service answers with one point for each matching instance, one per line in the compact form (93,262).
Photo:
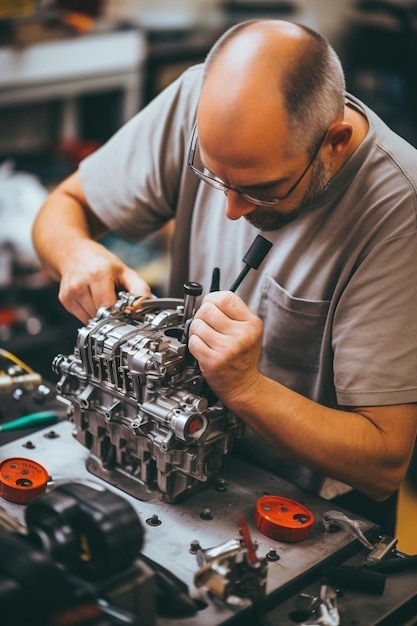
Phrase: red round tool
(283,519)
(21,479)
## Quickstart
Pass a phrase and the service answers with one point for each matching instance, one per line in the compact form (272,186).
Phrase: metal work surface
(168,541)
(396,606)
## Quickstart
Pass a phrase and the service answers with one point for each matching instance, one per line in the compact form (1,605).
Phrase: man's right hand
(91,278)
(65,235)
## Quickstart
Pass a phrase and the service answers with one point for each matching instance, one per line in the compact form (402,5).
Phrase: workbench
(297,573)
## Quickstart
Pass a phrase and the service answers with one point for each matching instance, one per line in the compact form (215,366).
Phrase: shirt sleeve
(132,182)
(375,328)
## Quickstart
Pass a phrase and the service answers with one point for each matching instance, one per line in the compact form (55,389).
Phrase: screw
(272,555)
(51,435)
(194,546)
(221,485)
(154,520)
(29,445)
(206,514)
(42,393)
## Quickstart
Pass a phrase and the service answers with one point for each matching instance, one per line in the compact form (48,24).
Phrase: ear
(338,137)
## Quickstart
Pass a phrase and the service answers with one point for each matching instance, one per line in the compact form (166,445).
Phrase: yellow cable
(8,355)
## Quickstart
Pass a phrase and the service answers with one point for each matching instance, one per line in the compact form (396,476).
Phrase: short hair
(313,86)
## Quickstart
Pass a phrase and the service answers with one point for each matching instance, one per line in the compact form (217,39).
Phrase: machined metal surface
(396,606)
(139,401)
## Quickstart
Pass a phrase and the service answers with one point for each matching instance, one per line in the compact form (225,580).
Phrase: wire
(14,359)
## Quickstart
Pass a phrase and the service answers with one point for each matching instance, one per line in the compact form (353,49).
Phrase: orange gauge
(22,479)
(283,519)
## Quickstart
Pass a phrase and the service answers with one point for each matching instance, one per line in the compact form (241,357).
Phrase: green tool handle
(33,420)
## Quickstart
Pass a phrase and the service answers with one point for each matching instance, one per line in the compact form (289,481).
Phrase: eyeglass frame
(258,199)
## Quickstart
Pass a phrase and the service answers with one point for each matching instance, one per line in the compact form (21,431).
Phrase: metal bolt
(51,435)
(221,485)
(194,546)
(154,520)
(29,445)
(43,392)
(272,555)
(206,514)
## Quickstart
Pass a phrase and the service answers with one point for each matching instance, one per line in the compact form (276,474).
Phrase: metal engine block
(139,402)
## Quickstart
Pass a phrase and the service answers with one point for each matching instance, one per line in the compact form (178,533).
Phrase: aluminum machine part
(139,402)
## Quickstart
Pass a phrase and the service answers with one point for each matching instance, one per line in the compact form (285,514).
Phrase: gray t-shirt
(338,291)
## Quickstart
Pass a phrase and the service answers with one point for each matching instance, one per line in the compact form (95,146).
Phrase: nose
(236,206)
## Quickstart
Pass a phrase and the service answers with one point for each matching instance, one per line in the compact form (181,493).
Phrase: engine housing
(139,402)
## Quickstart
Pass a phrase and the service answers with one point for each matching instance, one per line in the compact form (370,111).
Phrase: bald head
(271,79)
(252,50)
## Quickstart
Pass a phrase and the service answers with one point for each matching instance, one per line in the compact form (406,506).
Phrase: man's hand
(92,275)
(225,338)
(65,235)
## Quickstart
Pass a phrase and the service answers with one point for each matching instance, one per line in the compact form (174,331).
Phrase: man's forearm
(62,222)
(56,231)
(354,447)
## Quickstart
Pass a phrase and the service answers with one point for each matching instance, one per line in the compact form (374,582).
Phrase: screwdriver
(32,420)
(253,258)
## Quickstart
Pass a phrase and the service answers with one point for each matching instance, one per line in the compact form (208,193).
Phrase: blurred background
(73,71)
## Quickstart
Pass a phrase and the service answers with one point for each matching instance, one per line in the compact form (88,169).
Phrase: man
(317,351)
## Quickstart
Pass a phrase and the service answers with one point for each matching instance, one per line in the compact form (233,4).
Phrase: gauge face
(22,479)
(283,519)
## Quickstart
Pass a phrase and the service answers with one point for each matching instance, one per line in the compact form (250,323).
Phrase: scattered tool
(351,525)
(33,420)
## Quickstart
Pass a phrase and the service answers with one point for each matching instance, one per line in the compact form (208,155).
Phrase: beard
(269,219)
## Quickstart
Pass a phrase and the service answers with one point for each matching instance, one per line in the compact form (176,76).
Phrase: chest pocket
(293,329)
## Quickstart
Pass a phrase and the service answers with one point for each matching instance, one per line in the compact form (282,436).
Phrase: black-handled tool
(356,578)
(215,280)
(398,564)
(253,258)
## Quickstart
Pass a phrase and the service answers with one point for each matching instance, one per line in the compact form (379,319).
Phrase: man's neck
(360,128)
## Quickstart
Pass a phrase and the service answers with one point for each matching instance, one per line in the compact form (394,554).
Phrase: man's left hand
(225,338)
